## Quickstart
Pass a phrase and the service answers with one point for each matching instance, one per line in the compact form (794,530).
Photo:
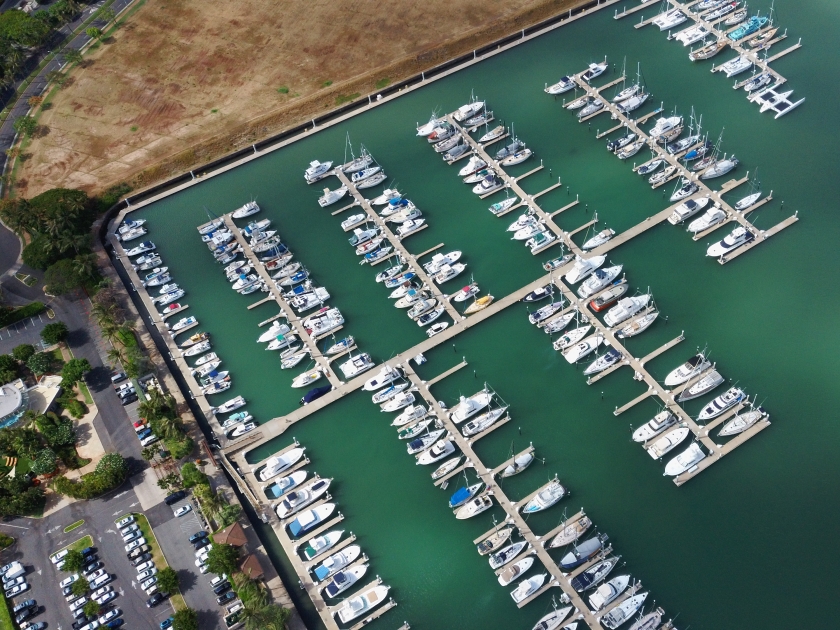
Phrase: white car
(149,439)
(101,591)
(17,589)
(146,565)
(102,579)
(131,536)
(146,574)
(78,604)
(107,597)
(218,580)
(203,551)
(204,568)
(134,544)
(125,521)
(148,583)
(201,562)
(111,614)
(68,580)
(131,527)
(96,575)
(58,557)
(183,510)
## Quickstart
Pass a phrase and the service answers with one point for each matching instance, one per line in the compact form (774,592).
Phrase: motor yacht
(502,206)
(668,442)
(409,414)
(230,405)
(664,125)
(583,349)
(436,329)
(242,429)
(150,261)
(686,189)
(685,461)
(356,365)
(608,593)
(565,84)
(694,366)
(440,449)
(595,70)
(468,407)
(514,571)
(583,267)
(449,272)
(323,321)
(421,307)
(631,104)
(410,226)
(732,241)
(429,127)
(468,110)
(710,218)
(625,309)
(296,500)
(620,142)
(284,484)
(464,293)
(682,144)
(528,587)
(474,164)
(489,184)
(361,236)
(687,209)
(142,248)
(598,280)
(752,25)
(741,422)
(362,603)
(388,393)
(386,376)
(343,580)
(540,241)
(474,507)
(623,611)
(252,208)
(726,401)
(653,427)
(390,273)
(427,318)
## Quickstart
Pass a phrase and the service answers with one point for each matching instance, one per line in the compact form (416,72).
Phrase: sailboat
(753,197)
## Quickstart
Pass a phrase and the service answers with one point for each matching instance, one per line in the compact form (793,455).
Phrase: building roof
(251,567)
(11,400)
(231,535)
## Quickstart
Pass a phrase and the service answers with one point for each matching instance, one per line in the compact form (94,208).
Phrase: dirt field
(185,81)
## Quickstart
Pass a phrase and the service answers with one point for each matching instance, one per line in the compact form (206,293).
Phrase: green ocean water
(750,542)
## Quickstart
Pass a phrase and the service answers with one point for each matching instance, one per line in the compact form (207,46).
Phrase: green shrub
(9,316)
(39,253)
(23,352)
(6,541)
(185,619)
(192,476)
(110,472)
(40,363)
(179,448)
(45,462)
(73,371)
(223,559)
(80,587)
(54,333)
(75,408)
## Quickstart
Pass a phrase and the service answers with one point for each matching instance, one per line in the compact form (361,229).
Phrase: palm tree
(115,356)
(169,427)
(85,265)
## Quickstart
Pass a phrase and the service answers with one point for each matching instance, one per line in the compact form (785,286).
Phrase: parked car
(101,591)
(146,574)
(222,588)
(59,556)
(119,376)
(91,559)
(154,600)
(111,614)
(16,590)
(126,520)
(218,580)
(149,440)
(201,544)
(142,566)
(107,597)
(204,568)
(101,580)
(87,551)
(134,544)
(128,391)
(26,614)
(131,536)
(91,568)
(224,599)
(144,433)
(123,387)
(166,623)
(77,605)
(184,509)
(198,536)
(175,497)
(147,583)
(68,580)
(23,605)
(137,551)
(116,623)
(128,400)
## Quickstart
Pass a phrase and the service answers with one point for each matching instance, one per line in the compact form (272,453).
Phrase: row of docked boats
(302,504)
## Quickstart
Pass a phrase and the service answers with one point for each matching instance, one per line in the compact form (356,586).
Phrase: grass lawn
(85,392)
(84,541)
(5,616)
(157,554)
(75,525)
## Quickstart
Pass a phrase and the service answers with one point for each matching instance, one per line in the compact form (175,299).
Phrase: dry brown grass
(185,81)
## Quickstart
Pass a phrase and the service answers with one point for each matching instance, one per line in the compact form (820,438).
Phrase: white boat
(738,237)
(626,93)
(607,593)
(517,158)
(439,260)
(386,376)
(499,207)
(528,229)
(667,442)
(343,580)
(387,195)
(482,422)
(409,414)
(559,323)
(546,311)
(625,309)
(142,248)
(390,273)
(429,127)
(524,220)
(600,279)
(540,241)
(742,422)
(686,189)
(468,111)
(353,220)
(134,233)
(420,444)
(361,236)
(371,181)
(519,464)
(302,380)
(205,369)
(316,170)
(547,496)
(572,337)
(565,84)
(506,555)
(310,299)
(421,307)
(284,484)
(310,518)
(747,201)
(321,544)
(687,209)
(606,360)
(735,66)
(650,429)
(595,70)
(437,328)
(552,620)
(281,341)
(474,164)
(439,450)
(719,168)
(710,381)
(669,19)
(489,184)
(399,401)
(449,272)
(694,366)
(631,104)
(514,571)
(710,218)
(230,405)
(296,500)
(599,239)
(591,108)
(722,403)
(691,35)
(356,365)
(275,329)
(362,603)
(427,318)
(242,429)
(664,125)
(237,418)
(583,349)
(413,430)
(623,612)
(246,211)
(292,360)
(207,358)
(323,321)
(474,507)
(571,532)
(685,461)
(149,261)
(496,132)
(583,267)
(662,175)
(468,407)
(528,587)
(465,293)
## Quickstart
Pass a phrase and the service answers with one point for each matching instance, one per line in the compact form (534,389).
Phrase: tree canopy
(55,332)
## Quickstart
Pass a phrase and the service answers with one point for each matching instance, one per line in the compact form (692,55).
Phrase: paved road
(21,108)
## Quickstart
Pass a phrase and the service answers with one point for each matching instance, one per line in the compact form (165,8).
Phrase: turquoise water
(748,543)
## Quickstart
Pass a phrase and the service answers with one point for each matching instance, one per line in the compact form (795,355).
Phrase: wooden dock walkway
(448,372)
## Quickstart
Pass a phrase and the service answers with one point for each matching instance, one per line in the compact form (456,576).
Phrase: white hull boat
(528,587)
(742,422)
(694,366)
(687,209)
(583,348)
(572,337)
(685,461)
(468,407)
(583,267)
(668,442)
(600,279)
(722,403)
(625,309)
(710,218)
(650,429)
(738,237)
